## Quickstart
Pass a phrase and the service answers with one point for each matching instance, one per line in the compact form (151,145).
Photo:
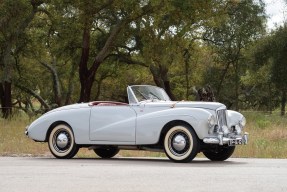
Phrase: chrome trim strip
(225,140)
(129,90)
(221,117)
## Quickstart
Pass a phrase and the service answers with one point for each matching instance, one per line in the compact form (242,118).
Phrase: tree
(109,19)
(271,54)
(242,23)
(166,38)
(54,53)
(15,18)
(279,61)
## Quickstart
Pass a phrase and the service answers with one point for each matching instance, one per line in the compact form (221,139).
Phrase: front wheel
(221,154)
(181,143)
(106,152)
(62,142)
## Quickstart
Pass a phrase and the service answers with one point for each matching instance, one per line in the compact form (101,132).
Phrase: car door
(113,123)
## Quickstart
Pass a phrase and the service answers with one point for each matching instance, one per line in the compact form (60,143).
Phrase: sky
(276,11)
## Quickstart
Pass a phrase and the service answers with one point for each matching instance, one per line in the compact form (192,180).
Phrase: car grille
(221,116)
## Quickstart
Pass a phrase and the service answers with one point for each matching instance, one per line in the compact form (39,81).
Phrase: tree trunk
(237,81)
(6,82)
(283,103)
(34,94)
(83,67)
(187,87)
(160,78)
(87,76)
(186,66)
(70,90)
(218,90)
(56,82)
(6,99)
(86,87)
(156,77)
(270,98)
(1,95)
(169,91)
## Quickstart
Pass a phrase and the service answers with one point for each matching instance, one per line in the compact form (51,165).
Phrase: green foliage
(262,123)
(279,67)
(271,55)
(178,45)
(229,37)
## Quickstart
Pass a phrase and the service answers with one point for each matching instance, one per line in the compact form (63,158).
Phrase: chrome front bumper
(221,140)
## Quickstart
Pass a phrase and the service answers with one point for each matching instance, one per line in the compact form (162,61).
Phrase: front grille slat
(221,116)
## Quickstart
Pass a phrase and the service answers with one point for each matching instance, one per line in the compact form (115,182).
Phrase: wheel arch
(171,124)
(56,123)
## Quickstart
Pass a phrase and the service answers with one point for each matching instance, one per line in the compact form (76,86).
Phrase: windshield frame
(148,93)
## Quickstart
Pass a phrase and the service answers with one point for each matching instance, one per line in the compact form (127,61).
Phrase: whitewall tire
(181,143)
(62,142)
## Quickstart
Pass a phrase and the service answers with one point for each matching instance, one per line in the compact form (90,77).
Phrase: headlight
(242,122)
(211,121)
(238,129)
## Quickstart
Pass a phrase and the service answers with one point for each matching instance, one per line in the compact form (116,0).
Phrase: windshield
(148,92)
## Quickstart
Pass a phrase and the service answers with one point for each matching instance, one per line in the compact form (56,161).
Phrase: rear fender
(78,119)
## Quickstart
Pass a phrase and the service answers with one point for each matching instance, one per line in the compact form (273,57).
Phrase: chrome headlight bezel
(211,120)
(242,122)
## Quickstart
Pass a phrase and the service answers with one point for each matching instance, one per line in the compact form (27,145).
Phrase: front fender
(149,125)
(233,118)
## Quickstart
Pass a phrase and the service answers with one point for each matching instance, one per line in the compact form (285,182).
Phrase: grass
(267,139)
(268,136)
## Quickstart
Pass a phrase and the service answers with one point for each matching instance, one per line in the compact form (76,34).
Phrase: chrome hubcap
(62,140)
(179,142)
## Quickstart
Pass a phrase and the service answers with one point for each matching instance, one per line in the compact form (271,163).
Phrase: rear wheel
(62,142)
(220,154)
(106,152)
(181,143)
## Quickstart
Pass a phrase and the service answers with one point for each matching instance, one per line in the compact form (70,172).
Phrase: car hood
(191,104)
(204,105)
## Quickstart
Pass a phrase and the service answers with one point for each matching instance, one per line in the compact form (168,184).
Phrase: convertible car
(150,121)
